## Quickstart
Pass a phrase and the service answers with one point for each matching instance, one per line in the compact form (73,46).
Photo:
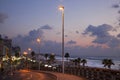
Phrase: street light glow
(29,49)
(38,40)
(61,8)
(25,53)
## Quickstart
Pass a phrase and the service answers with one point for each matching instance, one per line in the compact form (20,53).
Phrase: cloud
(119,11)
(3,17)
(78,51)
(35,33)
(118,35)
(56,47)
(49,46)
(28,40)
(77,32)
(58,33)
(114,42)
(99,31)
(102,35)
(66,35)
(115,6)
(71,42)
(46,27)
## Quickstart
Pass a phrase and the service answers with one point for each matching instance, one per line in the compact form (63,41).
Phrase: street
(29,75)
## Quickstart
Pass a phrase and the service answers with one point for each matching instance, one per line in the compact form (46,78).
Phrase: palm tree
(83,61)
(51,58)
(16,50)
(17,54)
(110,62)
(104,62)
(67,56)
(78,61)
(107,62)
(32,54)
(75,62)
(46,56)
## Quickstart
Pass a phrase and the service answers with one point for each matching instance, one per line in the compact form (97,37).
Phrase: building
(5,46)
(1,46)
(5,49)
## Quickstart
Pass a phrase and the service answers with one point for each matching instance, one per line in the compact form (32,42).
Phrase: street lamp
(29,51)
(61,8)
(25,54)
(38,40)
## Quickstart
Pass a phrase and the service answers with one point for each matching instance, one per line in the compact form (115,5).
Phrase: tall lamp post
(29,51)
(25,54)
(61,8)
(38,40)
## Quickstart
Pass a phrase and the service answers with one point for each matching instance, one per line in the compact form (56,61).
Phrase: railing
(90,73)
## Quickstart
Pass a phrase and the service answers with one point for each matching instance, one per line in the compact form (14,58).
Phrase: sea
(97,61)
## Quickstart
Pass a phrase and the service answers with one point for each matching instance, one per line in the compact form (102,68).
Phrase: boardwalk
(61,76)
(41,75)
(29,75)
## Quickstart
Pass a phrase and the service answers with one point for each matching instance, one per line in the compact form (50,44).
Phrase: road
(29,75)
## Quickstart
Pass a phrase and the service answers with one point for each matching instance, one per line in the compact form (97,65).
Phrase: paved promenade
(61,76)
(40,75)
(28,75)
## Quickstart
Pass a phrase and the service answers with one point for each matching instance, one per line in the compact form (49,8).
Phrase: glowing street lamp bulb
(29,49)
(38,40)
(25,53)
(61,8)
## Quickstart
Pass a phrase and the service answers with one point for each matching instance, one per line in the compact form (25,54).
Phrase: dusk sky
(91,26)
